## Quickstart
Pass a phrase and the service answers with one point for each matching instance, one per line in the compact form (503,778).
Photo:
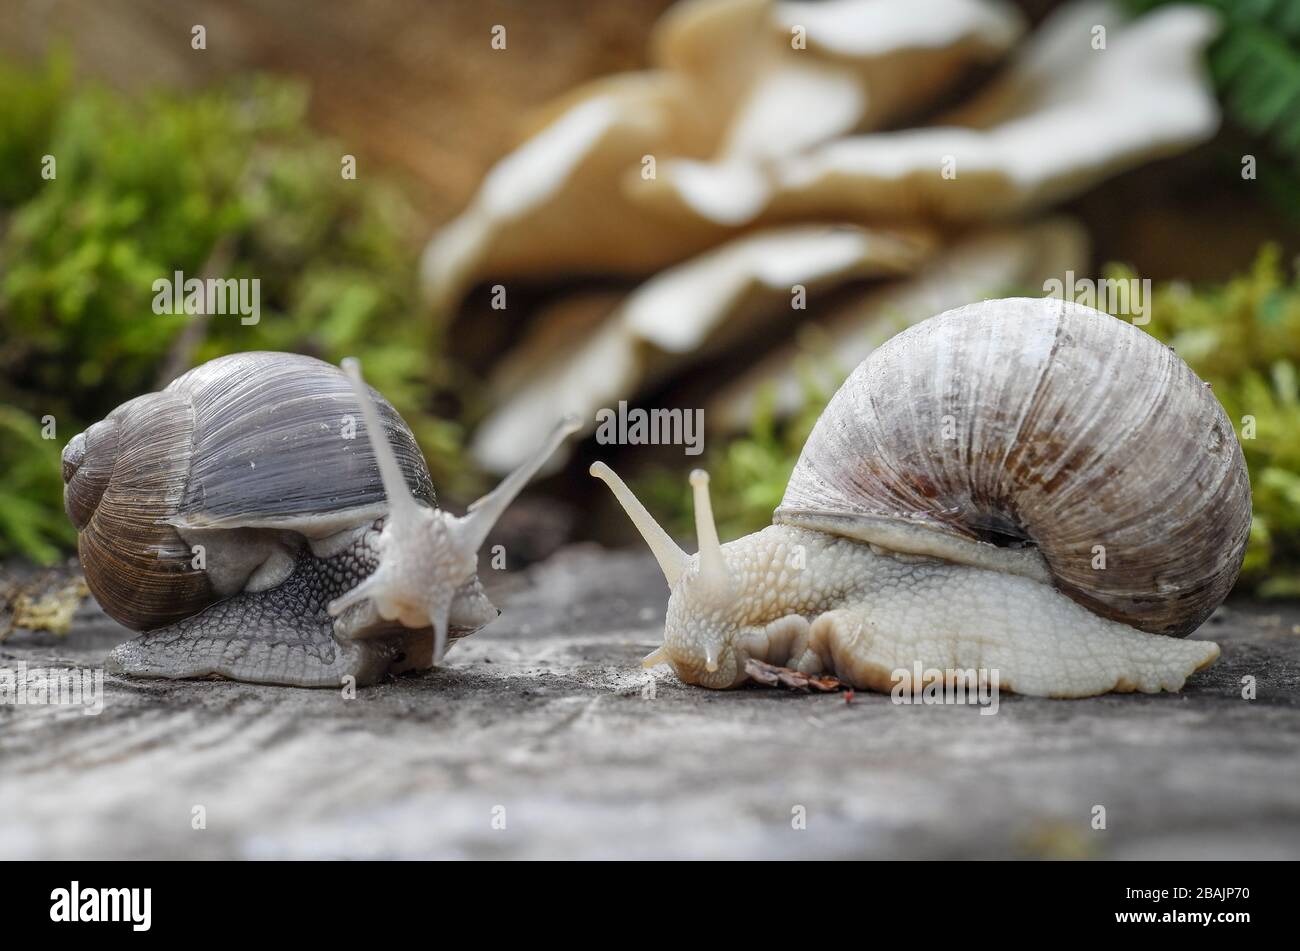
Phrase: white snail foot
(1038,641)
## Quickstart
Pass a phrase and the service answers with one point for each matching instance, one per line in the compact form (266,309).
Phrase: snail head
(706,615)
(426,554)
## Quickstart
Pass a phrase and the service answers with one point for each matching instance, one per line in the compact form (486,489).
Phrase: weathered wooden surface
(544,714)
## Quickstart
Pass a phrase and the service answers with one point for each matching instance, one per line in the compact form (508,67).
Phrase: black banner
(333,899)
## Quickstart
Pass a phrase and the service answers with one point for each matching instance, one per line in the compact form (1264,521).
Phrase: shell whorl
(251,442)
(88,461)
(124,477)
(1034,421)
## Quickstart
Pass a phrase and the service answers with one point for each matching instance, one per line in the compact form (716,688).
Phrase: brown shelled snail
(1024,485)
(241,521)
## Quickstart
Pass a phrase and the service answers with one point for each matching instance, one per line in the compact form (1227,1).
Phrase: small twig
(774,676)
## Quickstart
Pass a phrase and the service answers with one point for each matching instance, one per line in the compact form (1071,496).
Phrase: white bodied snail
(239,519)
(1025,485)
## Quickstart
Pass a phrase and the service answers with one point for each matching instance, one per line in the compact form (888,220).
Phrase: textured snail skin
(1026,485)
(873,612)
(285,635)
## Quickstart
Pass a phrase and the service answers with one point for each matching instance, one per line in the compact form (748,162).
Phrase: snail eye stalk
(483,514)
(401,504)
(672,560)
(713,567)
(427,553)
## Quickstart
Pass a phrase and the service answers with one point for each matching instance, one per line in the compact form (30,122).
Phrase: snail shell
(1030,422)
(242,455)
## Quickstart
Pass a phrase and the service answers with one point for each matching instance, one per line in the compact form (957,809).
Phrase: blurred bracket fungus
(1063,117)
(556,205)
(762,153)
(989,263)
(840,65)
(726,81)
(675,318)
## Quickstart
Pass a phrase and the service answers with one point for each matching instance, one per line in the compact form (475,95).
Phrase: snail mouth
(723,678)
(718,668)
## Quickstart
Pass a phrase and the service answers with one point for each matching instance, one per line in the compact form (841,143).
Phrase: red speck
(848,696)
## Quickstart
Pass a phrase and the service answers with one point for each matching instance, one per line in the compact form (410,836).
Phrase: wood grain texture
(544,713)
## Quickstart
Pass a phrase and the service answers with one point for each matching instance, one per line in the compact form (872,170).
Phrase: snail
(1025,485)
(236,519)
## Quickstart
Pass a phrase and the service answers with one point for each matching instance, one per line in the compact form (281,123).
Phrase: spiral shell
(1043,423)
(251,451)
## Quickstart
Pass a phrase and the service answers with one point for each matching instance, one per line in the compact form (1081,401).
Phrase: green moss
(747,474)
(1255,67)
(1242,337)
(31,494)
(230,183)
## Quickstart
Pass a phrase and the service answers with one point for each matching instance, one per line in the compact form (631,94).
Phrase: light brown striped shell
(1038,422)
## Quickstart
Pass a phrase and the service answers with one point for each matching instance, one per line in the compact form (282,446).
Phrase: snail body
(268,517)
(1025,485)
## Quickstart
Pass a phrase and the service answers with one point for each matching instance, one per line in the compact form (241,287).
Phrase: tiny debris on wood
(774,676)
(45,602)
(673,776)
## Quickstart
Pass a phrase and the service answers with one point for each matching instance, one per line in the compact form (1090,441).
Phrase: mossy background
(232,181)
